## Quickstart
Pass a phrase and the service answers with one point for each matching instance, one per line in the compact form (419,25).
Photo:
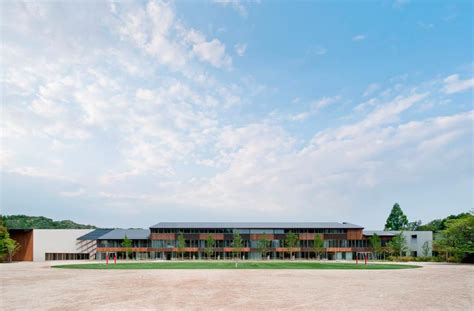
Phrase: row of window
(65,256)
(254,244)
(247,231)
(229,243)
(118,243)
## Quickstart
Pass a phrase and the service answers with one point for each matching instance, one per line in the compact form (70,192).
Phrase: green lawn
(240,265)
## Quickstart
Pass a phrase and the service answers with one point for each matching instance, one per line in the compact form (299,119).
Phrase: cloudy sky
(131,113)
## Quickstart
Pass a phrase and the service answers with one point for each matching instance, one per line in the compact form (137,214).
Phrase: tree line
(40,222)
(453,235)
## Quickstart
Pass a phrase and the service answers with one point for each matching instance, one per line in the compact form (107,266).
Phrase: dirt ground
(36,286)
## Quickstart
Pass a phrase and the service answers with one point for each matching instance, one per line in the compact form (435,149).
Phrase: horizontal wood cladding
(256,237)
(354,234)
(175,249)
(121,249)
(231,249)
(163,236)
(215,236)
(310,236)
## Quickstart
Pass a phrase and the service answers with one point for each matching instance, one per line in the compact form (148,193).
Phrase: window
(66,256)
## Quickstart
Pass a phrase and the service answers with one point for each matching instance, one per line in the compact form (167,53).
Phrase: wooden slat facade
(24,237)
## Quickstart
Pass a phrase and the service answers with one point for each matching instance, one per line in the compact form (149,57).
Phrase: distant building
(342,241)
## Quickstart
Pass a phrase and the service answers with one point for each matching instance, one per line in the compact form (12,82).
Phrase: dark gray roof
(379,233)
(255,225)
(132,234)
(94,235)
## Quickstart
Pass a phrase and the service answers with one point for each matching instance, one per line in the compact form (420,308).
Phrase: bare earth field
(27,286)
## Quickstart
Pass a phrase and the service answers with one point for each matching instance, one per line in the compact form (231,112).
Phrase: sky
(125,114)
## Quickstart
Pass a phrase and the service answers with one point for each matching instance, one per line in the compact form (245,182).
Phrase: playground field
(37,286)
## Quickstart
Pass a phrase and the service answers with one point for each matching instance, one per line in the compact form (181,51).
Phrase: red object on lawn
(106,259)
(115,259)
(357,258)
(366,258)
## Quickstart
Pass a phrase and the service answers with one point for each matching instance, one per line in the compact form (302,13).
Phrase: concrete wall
(416,244)
(56,241)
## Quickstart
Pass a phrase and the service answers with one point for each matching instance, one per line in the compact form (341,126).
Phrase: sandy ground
(28,286)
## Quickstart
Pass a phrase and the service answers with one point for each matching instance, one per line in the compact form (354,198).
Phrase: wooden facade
(24,237)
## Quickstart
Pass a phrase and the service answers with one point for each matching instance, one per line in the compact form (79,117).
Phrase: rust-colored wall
(215,236)
(25,239)
(163,236)
(258,236)
(354,234)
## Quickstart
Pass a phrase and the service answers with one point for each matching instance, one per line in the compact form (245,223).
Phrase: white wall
(56,241)
(421,238)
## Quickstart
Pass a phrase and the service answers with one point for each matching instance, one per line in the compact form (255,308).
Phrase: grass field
(240,265)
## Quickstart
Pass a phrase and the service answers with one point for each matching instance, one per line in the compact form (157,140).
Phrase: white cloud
(145,123)
(156,30)
(372,88)
(453,84)
(359,37)
(235,4)
(315,107)
(325,102)
(240,48)
(300,116)
(213,52)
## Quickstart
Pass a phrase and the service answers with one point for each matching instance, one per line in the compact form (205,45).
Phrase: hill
(40,222)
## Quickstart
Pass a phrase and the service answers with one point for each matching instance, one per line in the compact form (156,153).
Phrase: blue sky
(127,114)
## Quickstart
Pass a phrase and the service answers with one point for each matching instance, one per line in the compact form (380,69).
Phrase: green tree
(398,245)
(442,247)
(3,236)
(263,245)
(12,247)
(413,226)
(181,244)
(397,220)
(237,244)
(426,249)
(438,225)
(376,244)
(210,243)
(458,239)
(127,244)
(318,245)
(291,242)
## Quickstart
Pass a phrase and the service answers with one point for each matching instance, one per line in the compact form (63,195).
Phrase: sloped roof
(255,225)
(94,235)
(116,234)
(132,234)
